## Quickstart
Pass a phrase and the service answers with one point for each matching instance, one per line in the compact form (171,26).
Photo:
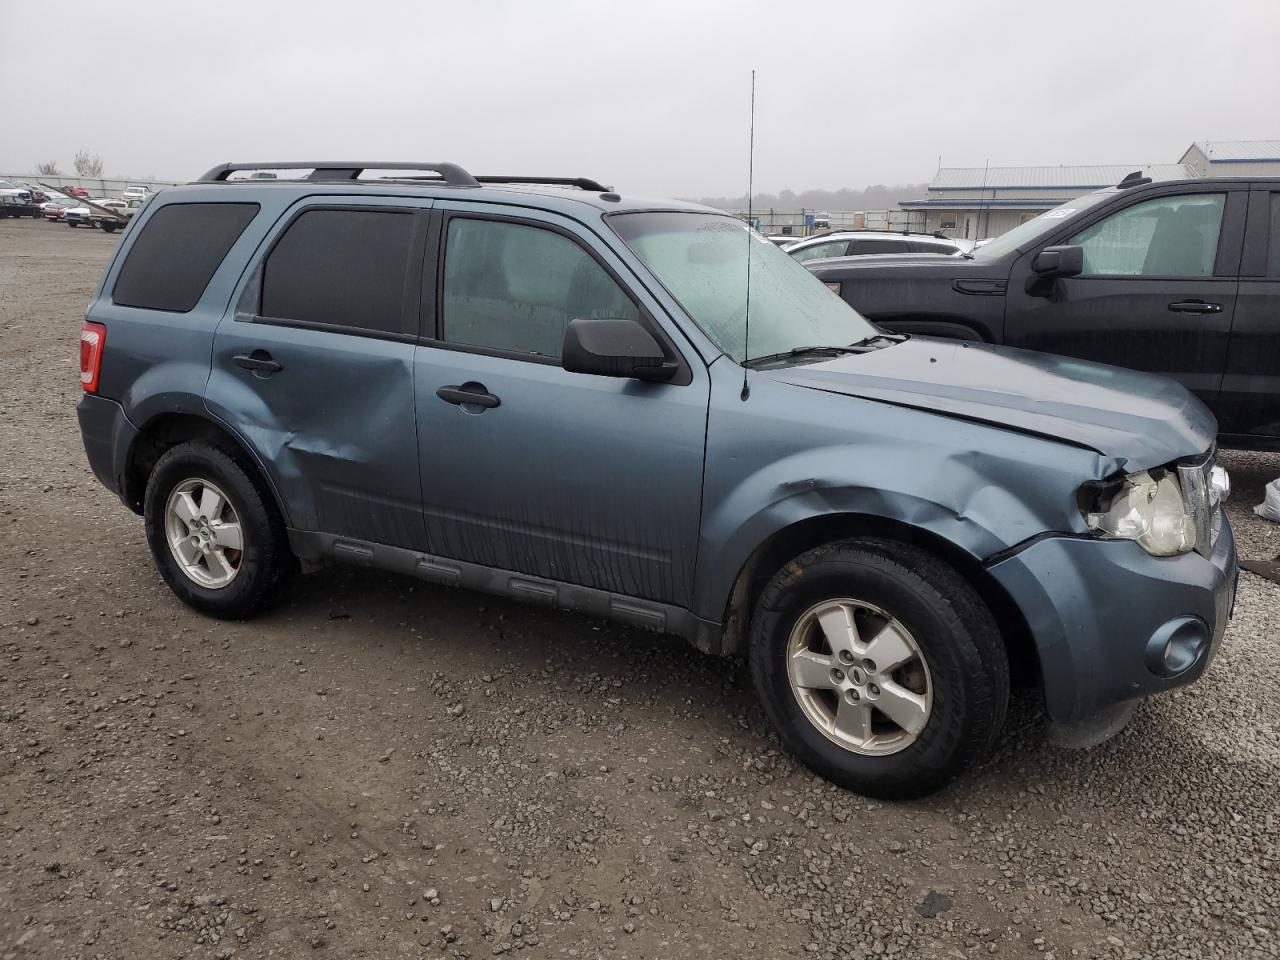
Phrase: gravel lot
(380,768)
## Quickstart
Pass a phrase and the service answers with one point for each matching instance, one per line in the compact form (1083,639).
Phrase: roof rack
(450,173)
(582,183)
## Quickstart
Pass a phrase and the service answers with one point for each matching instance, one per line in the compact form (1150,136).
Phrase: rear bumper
(107,436)
(1112,623)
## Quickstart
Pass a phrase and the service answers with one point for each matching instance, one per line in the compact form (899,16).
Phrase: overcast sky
(648,95)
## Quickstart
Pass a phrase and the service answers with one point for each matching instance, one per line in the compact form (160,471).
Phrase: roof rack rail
(582,183)
(1135,179)
(450,173)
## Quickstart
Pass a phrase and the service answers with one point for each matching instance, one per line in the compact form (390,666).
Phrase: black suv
(1175,277)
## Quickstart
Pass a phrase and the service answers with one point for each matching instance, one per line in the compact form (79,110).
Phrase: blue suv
(645,411)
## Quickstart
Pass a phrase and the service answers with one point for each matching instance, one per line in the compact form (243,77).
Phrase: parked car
(37,194)
(569,410)
(107,213)
(851,243)
(1176,277)
(783,240)
(135,192)
(55,209)
(17,200)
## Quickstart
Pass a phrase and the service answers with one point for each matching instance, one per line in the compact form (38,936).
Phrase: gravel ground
(380,768)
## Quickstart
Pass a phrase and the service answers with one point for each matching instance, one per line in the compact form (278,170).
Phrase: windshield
(1026,234)
(702,261)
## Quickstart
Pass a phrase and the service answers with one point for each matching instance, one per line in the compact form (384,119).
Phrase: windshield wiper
(859,347)
(891,337)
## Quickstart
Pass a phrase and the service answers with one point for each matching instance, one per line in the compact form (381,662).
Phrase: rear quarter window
(176,254)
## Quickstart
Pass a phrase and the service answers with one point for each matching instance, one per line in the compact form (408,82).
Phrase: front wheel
(880,667)
(214,532)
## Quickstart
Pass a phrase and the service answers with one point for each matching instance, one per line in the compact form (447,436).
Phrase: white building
(977,202)
(1234,158)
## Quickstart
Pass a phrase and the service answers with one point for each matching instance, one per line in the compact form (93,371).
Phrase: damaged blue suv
(642,410)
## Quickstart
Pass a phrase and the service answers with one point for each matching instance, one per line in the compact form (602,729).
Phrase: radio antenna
(751,160)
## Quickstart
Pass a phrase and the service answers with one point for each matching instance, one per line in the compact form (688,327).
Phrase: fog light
(1177,646)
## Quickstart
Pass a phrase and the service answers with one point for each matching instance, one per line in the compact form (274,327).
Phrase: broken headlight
(1148,507)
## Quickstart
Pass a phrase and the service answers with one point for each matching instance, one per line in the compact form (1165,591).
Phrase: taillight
(93,337)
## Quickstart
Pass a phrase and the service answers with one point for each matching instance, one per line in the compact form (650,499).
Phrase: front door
(314,368)
(585,479)
(1157,293)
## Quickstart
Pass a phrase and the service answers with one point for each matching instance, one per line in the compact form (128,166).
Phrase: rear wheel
(214,532)
(880,667)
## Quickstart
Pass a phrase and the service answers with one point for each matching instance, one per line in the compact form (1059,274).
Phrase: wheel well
(168,430)
(789,542)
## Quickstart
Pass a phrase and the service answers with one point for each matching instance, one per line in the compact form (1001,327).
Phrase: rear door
(1158,291)
(313,366)
(1250,404)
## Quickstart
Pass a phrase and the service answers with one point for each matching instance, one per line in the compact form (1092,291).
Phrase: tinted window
(832,248)
(1273,247)
(175,256)
(1165,237)
(341,268)
(920,246)
(513,287)
(878,246)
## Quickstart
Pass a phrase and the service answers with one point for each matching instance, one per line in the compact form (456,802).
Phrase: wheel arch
(790,541)
(167,430)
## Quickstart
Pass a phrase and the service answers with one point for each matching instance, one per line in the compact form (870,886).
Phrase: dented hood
(1141,420)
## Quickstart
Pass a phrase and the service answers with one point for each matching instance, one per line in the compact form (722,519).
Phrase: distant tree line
(876,197)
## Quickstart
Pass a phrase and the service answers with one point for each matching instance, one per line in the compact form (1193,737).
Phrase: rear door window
(176,254)
(341,268)
(1174,237)
(1273,245)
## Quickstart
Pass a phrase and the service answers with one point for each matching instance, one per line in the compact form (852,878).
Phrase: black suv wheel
(880,667)
(214,532)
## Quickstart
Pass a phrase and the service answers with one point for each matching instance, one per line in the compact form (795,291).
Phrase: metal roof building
(977,202)
(1234,158)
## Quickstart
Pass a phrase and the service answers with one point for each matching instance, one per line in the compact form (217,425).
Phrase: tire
(262,564)
(958,680)
(71,225)
(108,228)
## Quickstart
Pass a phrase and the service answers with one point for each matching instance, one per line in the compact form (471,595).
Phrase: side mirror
(1064,261)
(614,348)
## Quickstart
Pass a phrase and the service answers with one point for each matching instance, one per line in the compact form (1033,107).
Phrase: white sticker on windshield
(1059,214)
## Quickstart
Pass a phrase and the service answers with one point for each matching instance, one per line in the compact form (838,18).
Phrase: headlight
(1147,509)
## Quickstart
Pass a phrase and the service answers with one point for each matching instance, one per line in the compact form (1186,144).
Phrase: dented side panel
(788,454)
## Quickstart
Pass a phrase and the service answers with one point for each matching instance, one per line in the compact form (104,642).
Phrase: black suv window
(1273,247)
(341,268)
(1163,237)
(509,286)
(878,246)
(175,256)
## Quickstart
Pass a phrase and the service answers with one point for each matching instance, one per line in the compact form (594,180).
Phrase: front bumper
(108,436)
(1112,623)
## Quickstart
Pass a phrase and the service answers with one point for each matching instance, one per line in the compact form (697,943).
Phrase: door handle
(1195,306)
(468,393)
(259,361)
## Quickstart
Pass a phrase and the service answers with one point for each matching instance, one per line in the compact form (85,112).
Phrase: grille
(1202,501)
